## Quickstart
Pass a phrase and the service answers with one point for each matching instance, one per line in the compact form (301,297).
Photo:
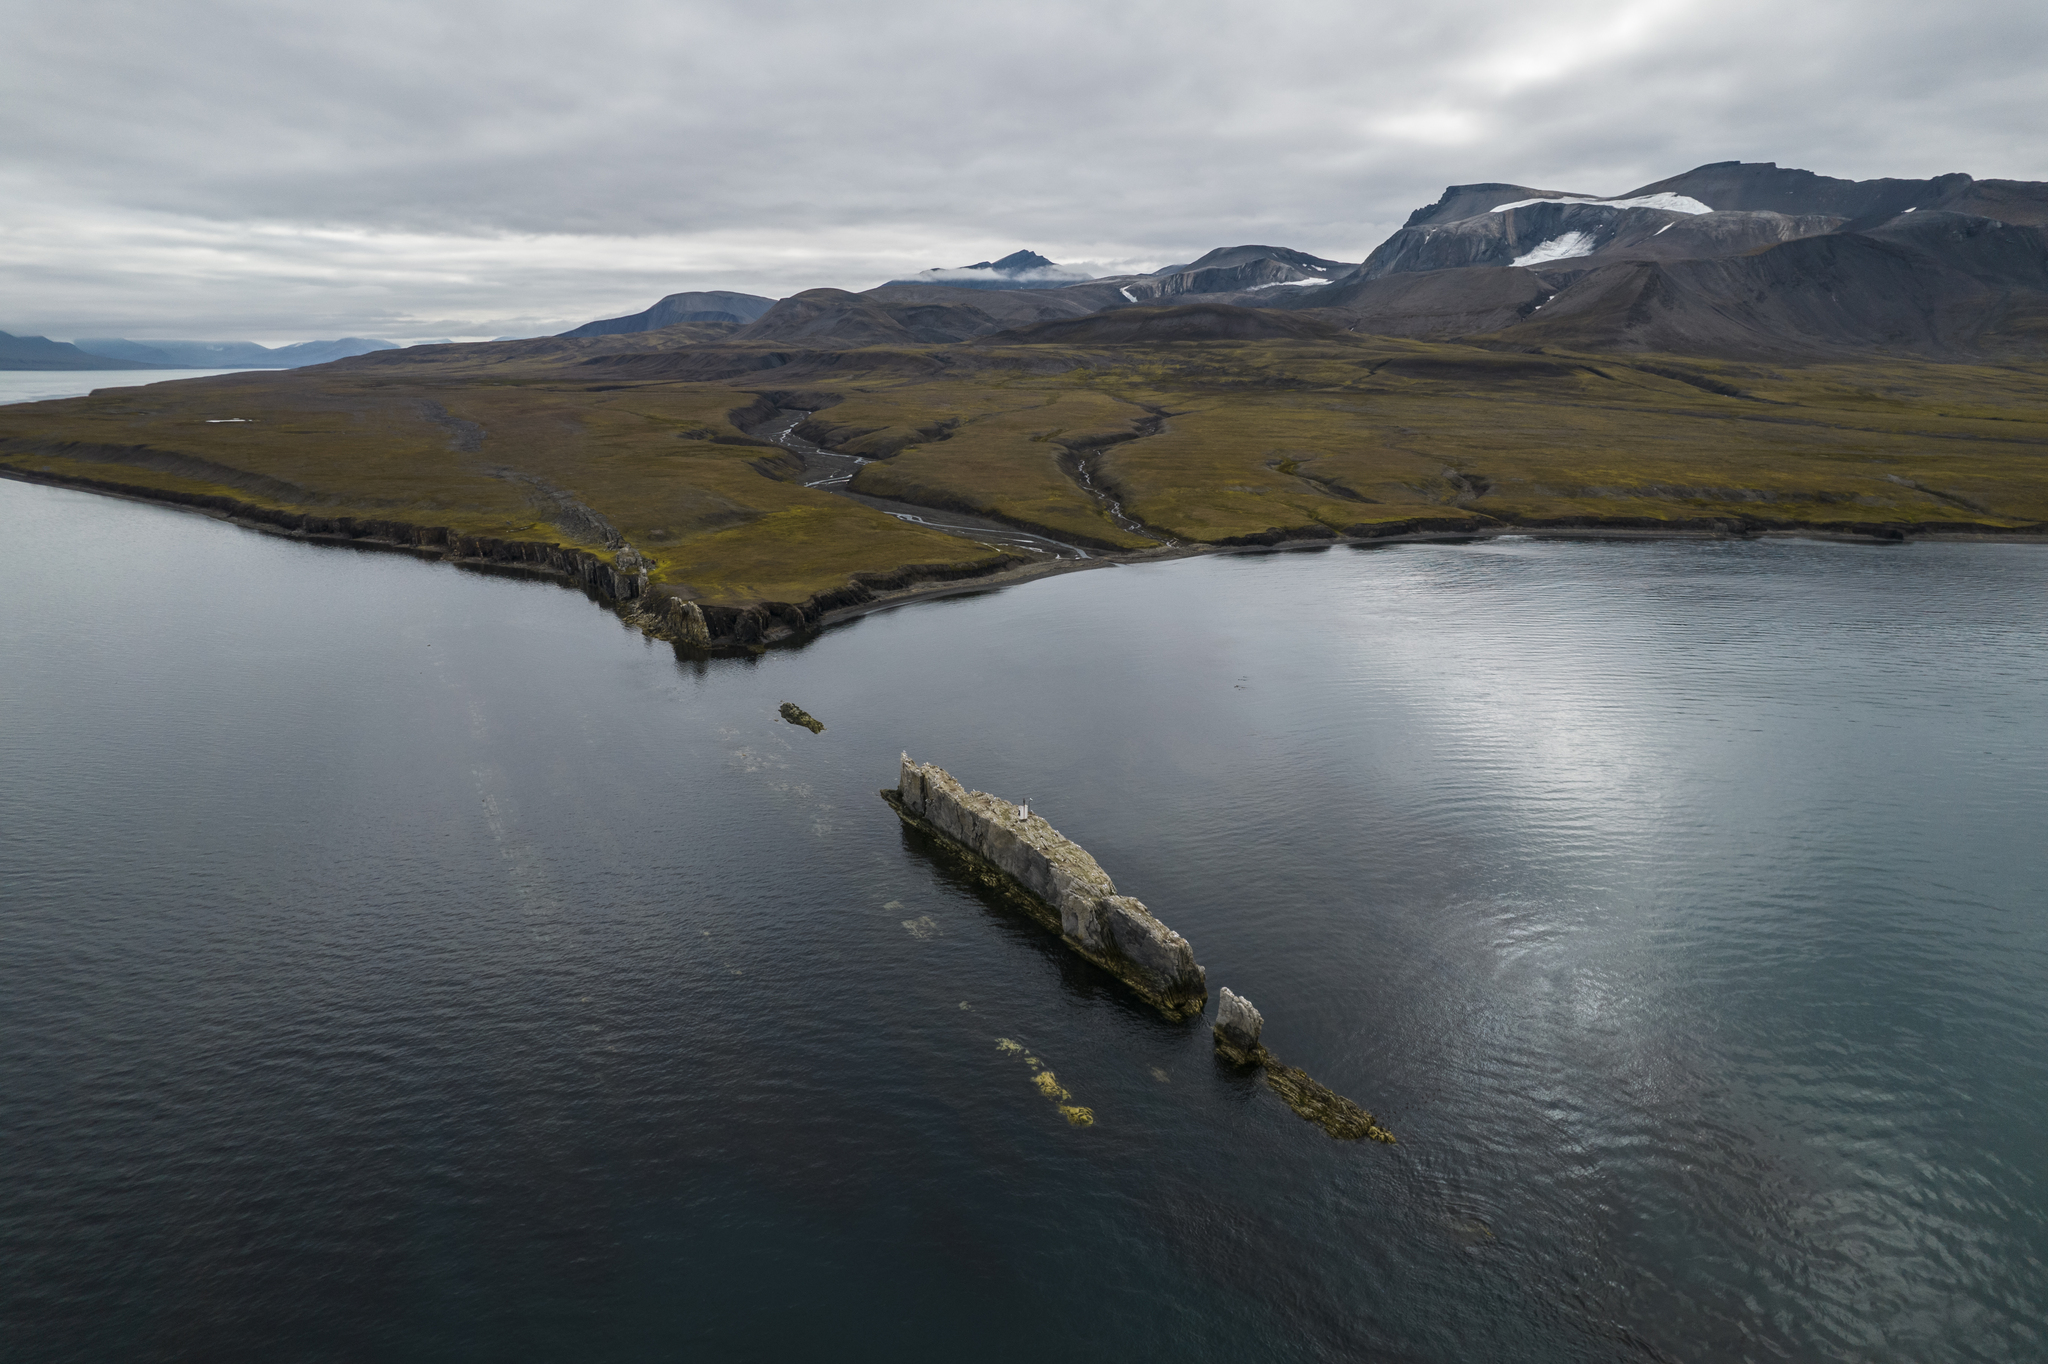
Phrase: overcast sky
(285,170)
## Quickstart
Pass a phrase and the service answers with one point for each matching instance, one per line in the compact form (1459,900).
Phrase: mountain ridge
(717,305)
(41,353)
(231,354)
(1730,258)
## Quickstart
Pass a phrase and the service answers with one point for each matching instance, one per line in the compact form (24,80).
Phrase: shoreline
(774,628)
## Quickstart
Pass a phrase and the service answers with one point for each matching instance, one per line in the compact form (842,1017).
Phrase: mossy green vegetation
(1005,452)
(1366,433)
(1197,442)
(658,468)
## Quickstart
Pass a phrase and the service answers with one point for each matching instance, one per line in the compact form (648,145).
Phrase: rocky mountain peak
(1018,270)
(1015,263)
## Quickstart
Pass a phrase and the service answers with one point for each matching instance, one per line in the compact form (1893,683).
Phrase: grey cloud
(283,169)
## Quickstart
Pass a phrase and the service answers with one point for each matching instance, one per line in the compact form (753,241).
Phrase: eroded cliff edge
(1063,886)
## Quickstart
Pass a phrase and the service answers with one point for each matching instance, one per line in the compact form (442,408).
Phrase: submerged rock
(797,715)
(1321,1105)
(1062,885)
(1238,1026)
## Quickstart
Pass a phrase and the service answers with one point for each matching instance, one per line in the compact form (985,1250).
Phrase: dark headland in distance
(108,352)
(1739,350)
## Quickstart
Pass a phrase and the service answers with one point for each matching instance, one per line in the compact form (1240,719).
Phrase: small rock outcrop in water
(1237,1029)
(1062,885)
(797,715)
(1238,1026)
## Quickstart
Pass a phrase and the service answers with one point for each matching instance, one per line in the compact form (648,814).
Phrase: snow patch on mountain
(1670,203)
(1570,245)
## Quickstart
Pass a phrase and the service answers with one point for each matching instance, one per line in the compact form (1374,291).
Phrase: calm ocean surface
(34,386)
(398,963)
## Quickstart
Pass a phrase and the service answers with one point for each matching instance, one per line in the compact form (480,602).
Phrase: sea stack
(1058,883)
(1238,1025)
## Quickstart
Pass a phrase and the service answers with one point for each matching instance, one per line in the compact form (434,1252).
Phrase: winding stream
(832,470)
(1084,475)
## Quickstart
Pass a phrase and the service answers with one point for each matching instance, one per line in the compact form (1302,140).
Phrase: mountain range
(41,353)
(229,354)
(1739,350)
(1730,259)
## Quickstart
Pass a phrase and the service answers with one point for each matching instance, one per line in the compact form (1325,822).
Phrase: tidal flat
(405,963)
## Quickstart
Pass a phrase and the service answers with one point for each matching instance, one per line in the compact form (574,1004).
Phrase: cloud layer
(286,169)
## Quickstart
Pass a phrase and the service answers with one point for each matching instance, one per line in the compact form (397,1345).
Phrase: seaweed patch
(797,715)
(1049,1085)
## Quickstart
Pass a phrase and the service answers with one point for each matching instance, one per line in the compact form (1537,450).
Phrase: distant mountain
(1246,276)
(1722,209)
(936,314)
(834,317)
(40,352)
(1193,322)
(1018,270)
(1237,269)
(230,354)
(1009,307)
(1728,258)
(1731,258)
(714,306)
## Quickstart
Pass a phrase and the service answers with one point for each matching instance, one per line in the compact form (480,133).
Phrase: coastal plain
(652,450)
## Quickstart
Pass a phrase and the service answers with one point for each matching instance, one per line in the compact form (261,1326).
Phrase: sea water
(400,963)
(34,386)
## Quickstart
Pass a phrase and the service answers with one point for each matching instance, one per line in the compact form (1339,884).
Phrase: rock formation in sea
(1062,885)
(1238,1027)
(797,715)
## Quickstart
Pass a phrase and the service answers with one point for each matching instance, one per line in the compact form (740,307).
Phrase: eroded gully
(831,471)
